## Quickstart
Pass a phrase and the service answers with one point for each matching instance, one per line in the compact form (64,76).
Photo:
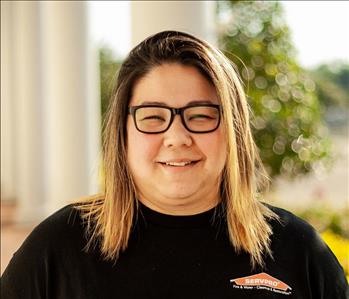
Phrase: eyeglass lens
(157,119)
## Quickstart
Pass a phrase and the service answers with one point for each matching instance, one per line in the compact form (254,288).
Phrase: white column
(72,109)
(7,105)
(195,17)
(94,159)
(27,97)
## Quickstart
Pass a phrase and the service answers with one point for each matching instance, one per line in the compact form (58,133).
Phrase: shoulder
(50,236)
(66,216)
(294,236)
(61,234)
(296,243)
(53,234)
(293,228)
(288,219)
(62,223)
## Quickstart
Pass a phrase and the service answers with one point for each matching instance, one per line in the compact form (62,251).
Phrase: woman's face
(178,188)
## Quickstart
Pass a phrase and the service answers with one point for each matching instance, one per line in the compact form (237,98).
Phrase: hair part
(110,216)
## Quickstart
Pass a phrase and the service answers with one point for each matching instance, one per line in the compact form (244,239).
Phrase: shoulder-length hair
(109,216)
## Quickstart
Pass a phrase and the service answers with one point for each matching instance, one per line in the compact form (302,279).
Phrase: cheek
(141,147)
(215,149)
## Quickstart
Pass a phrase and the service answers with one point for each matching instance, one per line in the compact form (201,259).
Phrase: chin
(178,194)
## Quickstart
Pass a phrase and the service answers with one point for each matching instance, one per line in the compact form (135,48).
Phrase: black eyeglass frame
(175,111)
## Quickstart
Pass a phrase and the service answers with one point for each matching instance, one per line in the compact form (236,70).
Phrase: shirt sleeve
(32,270)
(26,274)
(326,275)
(309,260)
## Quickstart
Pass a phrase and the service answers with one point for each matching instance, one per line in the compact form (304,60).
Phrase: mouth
(179,163)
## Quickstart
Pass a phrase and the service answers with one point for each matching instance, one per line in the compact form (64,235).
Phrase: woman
(180,216)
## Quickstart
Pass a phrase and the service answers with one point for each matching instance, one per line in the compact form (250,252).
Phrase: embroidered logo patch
(261,281)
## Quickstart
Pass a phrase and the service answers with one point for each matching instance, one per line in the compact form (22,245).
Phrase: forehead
(174,85)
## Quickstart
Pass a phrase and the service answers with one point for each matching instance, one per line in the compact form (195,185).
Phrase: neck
(180,206)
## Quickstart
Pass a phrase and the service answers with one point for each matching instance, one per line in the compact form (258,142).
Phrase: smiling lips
(180,163)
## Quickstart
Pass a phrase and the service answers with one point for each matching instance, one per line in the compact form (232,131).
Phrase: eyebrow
(197,102)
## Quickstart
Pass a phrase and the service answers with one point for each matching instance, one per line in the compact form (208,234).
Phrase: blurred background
(59,61)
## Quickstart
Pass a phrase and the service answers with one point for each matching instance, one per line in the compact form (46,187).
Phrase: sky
(320,29)
(110,24)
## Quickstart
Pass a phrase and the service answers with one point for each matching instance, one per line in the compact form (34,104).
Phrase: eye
(201,114)
(153,117)
(200,117)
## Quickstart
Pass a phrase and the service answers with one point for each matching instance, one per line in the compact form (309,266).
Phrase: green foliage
(325,218)
(108,71)
(332,84)
(286,116)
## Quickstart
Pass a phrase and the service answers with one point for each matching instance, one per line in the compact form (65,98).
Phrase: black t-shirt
(172,257)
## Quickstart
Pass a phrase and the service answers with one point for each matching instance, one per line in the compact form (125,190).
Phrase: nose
(177,135)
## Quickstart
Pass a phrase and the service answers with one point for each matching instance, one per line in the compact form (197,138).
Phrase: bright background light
(110,25)
(319,28)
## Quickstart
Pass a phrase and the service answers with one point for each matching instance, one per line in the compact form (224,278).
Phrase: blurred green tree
(332,84)
(286,121)
(332,89)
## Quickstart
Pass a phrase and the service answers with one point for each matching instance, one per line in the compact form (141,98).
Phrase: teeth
(177,163)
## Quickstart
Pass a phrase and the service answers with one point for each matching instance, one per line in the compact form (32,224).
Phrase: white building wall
(195,17)
(70,141)
(27,114)
(8,185)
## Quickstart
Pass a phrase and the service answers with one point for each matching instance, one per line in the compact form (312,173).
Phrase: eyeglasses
(152,119)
